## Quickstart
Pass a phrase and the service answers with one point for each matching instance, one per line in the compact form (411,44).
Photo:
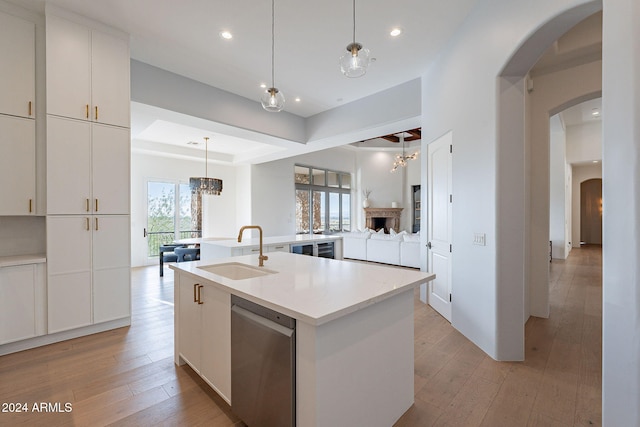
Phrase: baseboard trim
(43,340)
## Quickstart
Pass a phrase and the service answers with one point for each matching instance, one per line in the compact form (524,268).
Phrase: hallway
(558,384)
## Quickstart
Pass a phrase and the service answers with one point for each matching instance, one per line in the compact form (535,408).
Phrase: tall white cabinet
(88,175)
(86,81)
(17,116)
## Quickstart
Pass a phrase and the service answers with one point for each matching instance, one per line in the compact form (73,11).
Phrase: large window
(168,214)
(323,200)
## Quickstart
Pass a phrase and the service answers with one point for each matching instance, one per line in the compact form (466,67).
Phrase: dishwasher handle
(254,318)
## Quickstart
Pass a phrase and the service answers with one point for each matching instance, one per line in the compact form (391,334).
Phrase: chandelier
(206,185)
(401,160)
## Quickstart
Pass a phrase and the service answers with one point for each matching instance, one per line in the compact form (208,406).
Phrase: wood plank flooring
(127,377)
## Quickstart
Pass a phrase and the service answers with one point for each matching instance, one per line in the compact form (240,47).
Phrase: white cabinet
(88,168)
(111,267)
(88,270)
(17,73)
(17,166)
(203,325)
(87,73)
(21,302)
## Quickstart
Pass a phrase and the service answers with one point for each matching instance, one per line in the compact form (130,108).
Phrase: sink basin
(237,270)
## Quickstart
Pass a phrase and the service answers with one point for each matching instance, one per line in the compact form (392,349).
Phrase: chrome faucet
(261,258)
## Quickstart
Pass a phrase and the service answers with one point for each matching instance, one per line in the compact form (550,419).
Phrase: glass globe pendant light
(354,63)
(272,100)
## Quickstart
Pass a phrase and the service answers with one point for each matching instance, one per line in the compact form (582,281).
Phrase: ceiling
(184,37)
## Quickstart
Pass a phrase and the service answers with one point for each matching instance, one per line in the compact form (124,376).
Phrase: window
(323,200)
(168,214)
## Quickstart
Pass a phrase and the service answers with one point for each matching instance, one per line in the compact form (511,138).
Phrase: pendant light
(272,100)
(206,185)
(354,63)
(401,161)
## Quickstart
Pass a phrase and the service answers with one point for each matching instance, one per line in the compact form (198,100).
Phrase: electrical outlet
(479,239)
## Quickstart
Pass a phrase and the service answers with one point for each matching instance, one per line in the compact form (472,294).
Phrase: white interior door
(439,198)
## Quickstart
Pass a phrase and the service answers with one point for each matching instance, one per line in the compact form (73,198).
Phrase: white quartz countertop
(311,289)
(274,240)
(11,261)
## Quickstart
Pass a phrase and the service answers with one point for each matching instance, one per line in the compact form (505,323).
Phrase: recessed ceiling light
(297,99)
(263,86)
(596,161)
(226,35)
(595,112)
(193,143)
(395,32)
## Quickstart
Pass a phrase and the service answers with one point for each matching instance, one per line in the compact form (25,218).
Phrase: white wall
(558,188)
(145,167)
(584,142)
(621,234)
(580,174)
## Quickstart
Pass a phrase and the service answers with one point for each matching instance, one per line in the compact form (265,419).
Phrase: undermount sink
(237,270)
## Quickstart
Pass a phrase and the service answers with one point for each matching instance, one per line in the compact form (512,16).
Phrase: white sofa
(397,249)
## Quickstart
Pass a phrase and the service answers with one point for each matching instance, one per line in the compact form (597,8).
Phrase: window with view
(323,200)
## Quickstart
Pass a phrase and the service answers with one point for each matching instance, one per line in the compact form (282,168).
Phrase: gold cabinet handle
(87,223)
(96,205)
(96,113)
(195,292)
(86,111)
(96,224)
(87,205)
(30,205)
(30,109)
(199,294)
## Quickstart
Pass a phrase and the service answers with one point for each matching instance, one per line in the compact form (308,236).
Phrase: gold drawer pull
(30,205)
(195,292)
(96,205)
(199,294)
(30,109)
(96,224)
(86,111)
(96,113)
(87,223)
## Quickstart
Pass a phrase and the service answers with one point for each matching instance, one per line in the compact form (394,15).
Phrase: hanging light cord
(206,157)
(273,37)
(354,21)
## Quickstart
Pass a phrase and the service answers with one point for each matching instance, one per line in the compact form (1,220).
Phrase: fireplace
(387,218)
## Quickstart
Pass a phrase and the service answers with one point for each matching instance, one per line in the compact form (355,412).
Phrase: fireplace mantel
(391,216)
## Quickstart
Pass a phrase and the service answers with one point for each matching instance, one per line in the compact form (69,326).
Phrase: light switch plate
(480,239)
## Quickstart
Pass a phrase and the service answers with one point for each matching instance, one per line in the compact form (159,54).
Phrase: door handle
(429,245)
(195,292)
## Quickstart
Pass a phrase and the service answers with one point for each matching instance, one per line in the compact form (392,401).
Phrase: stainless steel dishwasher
(262,365)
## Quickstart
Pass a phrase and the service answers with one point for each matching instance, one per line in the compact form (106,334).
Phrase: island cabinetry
(88,270)
(17,75)
(22,308)
(88,78)
(203,331)
(88,168)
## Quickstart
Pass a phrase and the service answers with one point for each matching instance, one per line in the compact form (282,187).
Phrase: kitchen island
(354,331)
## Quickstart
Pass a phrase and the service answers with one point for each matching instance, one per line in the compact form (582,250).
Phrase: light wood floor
(127,376)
